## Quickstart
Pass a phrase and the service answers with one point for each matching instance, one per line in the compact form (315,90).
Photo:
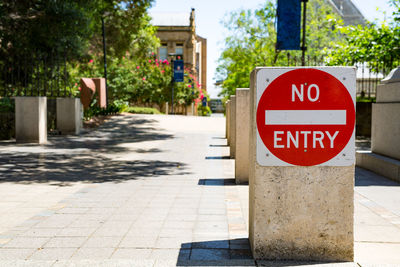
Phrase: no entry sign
(305,116)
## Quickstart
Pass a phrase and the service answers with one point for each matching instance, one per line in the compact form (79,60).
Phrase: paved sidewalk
(149,190)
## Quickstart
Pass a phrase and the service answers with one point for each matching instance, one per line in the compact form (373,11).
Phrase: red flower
(91,61)
(189,86)
(162,71)
(79,89)
(137,67)
(144,78)
(149,60)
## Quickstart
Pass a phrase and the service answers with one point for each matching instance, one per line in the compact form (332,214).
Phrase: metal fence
(368,78)
(34,75)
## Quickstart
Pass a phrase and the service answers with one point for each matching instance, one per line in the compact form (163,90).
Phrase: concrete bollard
(31,119)
(232,127)
(299,212)
(242,135)
(166,108)
(227,112)
(69,115)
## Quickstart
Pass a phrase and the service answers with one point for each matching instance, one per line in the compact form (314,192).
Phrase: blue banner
(178,71)
(288,32)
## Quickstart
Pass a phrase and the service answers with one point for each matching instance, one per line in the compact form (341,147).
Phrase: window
(179,49)
(163,52)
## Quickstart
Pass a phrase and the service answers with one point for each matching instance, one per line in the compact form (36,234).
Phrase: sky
(210,13)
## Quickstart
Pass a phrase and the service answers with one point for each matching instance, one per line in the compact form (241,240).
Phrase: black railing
(35,75)
(368,78)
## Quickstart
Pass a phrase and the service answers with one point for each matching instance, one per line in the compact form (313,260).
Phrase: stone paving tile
(52,253)
(93,253)
(41,232)
(23,263)
(173,242)
(210,254)
(102,242)
(26,242)
(16,253)
(112,262)
(138,242)
(174,232)
(74,231)
(111,231)
(170,254)
(65,242)
(217,244)
(131,253)
(304,264)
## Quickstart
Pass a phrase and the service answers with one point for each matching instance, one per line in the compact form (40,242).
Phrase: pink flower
(137,67)
(76,84)
(144,78)
(149,60)
(152,53)
(179,57)
(189,86)
(162,71)
(79,89)
(165,61)
(91,61)
(156,60)
(201,96)
(123,57)
(157,64)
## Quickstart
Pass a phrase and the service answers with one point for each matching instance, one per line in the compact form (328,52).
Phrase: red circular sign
(305,117)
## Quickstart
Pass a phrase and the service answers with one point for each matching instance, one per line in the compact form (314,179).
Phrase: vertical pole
(173,83)
(105,57)
(303,43)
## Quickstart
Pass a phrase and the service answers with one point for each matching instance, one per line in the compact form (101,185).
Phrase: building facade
(177,33)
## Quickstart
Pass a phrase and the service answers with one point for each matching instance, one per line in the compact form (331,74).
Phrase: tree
(252,41)
(375,44)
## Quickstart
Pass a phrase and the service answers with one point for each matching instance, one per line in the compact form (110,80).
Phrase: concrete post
(296,212)
(385,130)
(69,115)
(232,127)
(242,135)
(166,108)
(227,117)
(31,119)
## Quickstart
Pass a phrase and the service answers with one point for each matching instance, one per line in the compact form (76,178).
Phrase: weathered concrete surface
(299,213)
(88,89)
(385,132)
(69,115)
(232,126)
(242,135)
(31,119)
(382,165)
(227,120)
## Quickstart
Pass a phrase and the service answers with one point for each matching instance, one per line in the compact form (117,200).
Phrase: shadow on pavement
(219,157)
(234,252)
(368,178)
(67,159)
(216,181)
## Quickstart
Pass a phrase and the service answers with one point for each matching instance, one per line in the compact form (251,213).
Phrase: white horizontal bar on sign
(305,117)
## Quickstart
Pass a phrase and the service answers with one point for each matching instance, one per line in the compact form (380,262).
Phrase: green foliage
(204,110)
(376,45)
(252,38)
(142,110)
(365,99)
(115,107)
(7,105)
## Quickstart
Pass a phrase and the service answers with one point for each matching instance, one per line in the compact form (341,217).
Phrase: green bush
(204,110)
(7,105)
(142,110)
(115,107)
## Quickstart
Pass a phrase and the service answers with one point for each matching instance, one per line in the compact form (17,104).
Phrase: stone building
(177,33)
